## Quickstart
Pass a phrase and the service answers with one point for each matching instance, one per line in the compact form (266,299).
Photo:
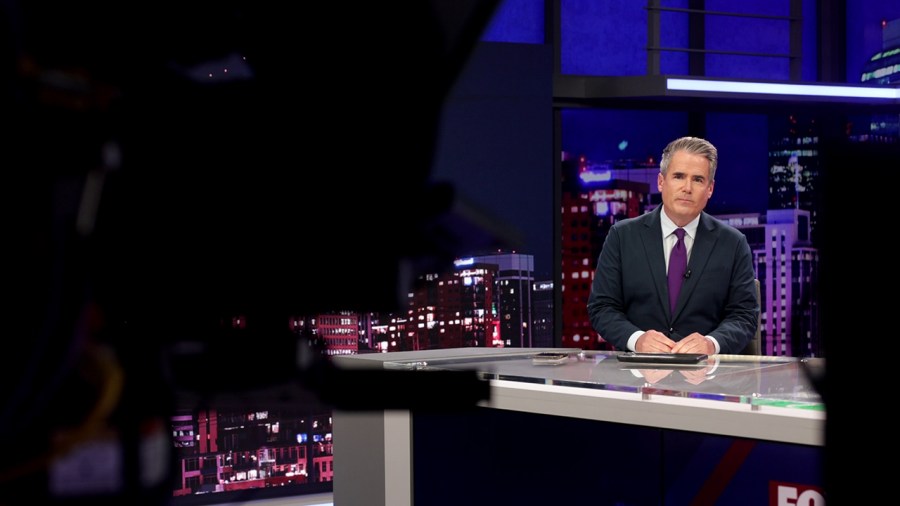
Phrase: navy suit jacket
(630,291)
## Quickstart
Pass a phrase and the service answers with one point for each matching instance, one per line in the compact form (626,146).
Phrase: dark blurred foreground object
(152,195)
(859,275)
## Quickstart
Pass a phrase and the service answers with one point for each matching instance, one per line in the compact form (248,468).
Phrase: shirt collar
(668,226)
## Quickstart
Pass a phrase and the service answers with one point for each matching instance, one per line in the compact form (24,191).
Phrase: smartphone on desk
(661,358)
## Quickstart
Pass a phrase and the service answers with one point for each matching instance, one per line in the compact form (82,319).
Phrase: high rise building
(882,68)
(543,323)
(338,332)
(594,197)
(452,309)
(787,266)
(384,332)
(483,301)
(221,450)
(513,297)
(795,176)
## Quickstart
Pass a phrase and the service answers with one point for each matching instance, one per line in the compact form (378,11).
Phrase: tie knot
(679,232)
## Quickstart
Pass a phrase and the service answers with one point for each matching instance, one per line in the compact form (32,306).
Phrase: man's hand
(654,376)
(695,376)
(694,343)
(654,341)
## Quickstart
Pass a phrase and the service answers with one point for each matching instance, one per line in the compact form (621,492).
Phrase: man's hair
(695,146)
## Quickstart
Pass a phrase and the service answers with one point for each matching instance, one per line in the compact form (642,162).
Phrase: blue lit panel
(516,21)
(609,38)
(749,35)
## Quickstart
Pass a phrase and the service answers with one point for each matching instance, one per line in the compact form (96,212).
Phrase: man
(716,309)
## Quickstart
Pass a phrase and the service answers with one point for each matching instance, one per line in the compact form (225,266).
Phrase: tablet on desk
(661,358)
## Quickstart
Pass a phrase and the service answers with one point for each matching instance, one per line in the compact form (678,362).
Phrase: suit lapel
(656,257)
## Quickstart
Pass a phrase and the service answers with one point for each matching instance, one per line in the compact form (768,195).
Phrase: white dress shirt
(669,240)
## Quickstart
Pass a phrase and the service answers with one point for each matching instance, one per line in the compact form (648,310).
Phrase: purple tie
(677,267)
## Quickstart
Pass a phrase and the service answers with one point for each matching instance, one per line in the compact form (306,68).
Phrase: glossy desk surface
(769,399)
(759,397)
(783,382)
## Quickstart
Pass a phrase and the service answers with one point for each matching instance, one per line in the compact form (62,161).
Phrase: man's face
(686,187)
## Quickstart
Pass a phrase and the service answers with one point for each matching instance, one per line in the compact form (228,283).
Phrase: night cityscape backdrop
(496,148)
